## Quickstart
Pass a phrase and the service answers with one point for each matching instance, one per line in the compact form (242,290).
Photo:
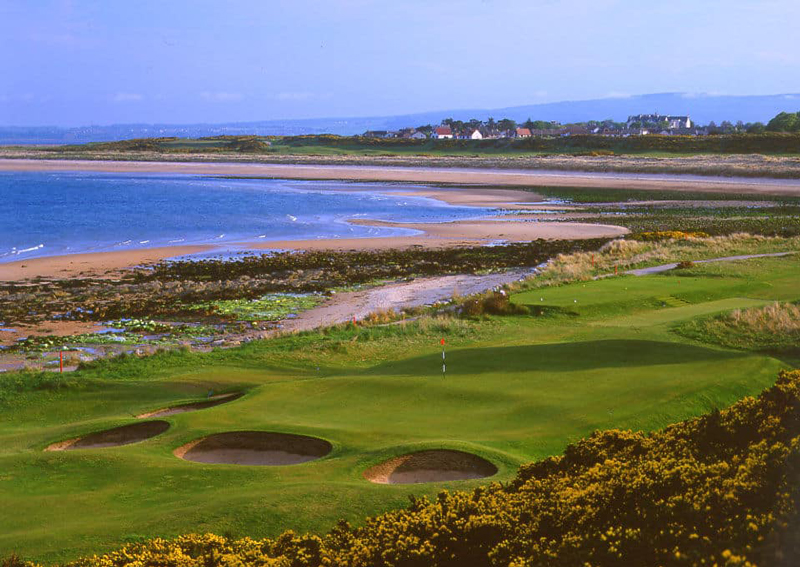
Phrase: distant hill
(702,109)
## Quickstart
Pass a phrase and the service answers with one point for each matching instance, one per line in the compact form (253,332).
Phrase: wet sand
(510,230)
(444,235)
(93,264)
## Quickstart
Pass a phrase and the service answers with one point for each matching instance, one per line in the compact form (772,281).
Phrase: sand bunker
(430,466)
(209,403)
(124,435)
(254,448)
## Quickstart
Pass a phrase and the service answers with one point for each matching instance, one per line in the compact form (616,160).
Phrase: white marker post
(444,368)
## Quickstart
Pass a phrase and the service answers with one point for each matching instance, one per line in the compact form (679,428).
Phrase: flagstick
(444,368)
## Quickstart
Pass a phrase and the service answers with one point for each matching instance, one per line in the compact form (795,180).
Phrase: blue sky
(73,63)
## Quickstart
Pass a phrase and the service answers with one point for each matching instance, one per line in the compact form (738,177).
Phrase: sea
(53,213)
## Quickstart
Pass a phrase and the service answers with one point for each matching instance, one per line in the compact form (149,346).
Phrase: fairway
(518,388)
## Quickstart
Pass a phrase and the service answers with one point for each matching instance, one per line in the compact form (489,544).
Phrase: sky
(71,63)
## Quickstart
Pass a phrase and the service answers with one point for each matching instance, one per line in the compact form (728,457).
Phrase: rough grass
(626,254)
(774,327)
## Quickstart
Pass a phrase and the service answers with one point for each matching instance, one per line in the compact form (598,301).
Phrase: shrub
(660,235)
(492,303)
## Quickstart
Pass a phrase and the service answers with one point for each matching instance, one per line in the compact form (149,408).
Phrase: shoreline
(437,235)
(112,264)
(463,187)
(412,174)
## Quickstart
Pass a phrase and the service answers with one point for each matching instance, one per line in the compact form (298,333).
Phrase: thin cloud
(294,96)
(221,96)
(127,97)
(302,95)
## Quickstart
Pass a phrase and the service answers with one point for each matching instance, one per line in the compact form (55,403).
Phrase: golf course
(353,404)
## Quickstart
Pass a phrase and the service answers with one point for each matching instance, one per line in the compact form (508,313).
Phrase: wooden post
(61,361)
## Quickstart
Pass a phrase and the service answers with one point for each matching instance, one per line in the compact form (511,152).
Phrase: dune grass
(773,327)
(624,254)
(517,388)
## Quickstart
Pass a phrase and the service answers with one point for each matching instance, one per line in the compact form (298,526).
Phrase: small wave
(143,241)
(31,249)
(177,240)
(291,218)
(220,236)
(261,236)
(126,242)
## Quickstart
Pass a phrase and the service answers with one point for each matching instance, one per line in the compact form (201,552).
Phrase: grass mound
(720,489)
(774,327)
(124,435)
(254,448)
(436,465)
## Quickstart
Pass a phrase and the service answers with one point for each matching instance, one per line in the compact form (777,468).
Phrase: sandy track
(667,267)
(342,307)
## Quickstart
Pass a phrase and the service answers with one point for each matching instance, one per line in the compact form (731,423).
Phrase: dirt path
(667,267)
(342,307)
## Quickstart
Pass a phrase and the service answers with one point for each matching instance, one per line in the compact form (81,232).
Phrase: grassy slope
(518,389)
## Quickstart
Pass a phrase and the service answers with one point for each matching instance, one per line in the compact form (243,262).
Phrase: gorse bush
(717,490)
(669,235)
(491,303)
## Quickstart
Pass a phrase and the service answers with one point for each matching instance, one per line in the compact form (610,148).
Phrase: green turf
(601,355)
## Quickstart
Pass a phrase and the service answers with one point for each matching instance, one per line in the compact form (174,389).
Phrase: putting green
(517,389)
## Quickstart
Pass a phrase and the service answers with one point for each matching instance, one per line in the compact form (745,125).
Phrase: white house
(441,132)
(672,122)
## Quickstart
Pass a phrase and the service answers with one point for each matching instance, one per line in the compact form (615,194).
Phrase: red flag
(442,342)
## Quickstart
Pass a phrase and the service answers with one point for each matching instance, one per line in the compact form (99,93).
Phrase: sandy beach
(467,233)
(460,176)
(432,235)
(94,264)
(512,231)
(478,187)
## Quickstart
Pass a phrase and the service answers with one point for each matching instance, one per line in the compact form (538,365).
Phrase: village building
(574,131)
(380,134)
(523,133)
(470,134)
(441,132)
(412,134)
(670,122)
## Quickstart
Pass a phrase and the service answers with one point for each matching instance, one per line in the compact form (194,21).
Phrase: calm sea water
(46,213)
